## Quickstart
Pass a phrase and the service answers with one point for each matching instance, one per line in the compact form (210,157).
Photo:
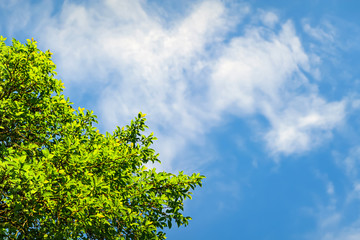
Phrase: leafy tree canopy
(62,179)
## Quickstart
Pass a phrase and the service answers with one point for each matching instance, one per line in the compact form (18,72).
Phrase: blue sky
(259,96)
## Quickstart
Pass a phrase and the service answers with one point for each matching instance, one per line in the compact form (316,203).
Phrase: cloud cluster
(262,72)
(187,73)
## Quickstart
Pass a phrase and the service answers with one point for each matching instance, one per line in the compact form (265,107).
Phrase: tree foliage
(62,179)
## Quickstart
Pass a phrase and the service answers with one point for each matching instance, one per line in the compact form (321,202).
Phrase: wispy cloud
(338,218)
(325,32)
(335,223)
(269,19)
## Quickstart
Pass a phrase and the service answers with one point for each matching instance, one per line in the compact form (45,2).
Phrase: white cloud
(325,32)
(333,220)
(254,68)
(187,74)
(332,225)
(351,163)
(263,74)
(270,19)
(305,123)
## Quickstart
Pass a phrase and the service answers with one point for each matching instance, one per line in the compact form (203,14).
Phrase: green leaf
(60,178)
